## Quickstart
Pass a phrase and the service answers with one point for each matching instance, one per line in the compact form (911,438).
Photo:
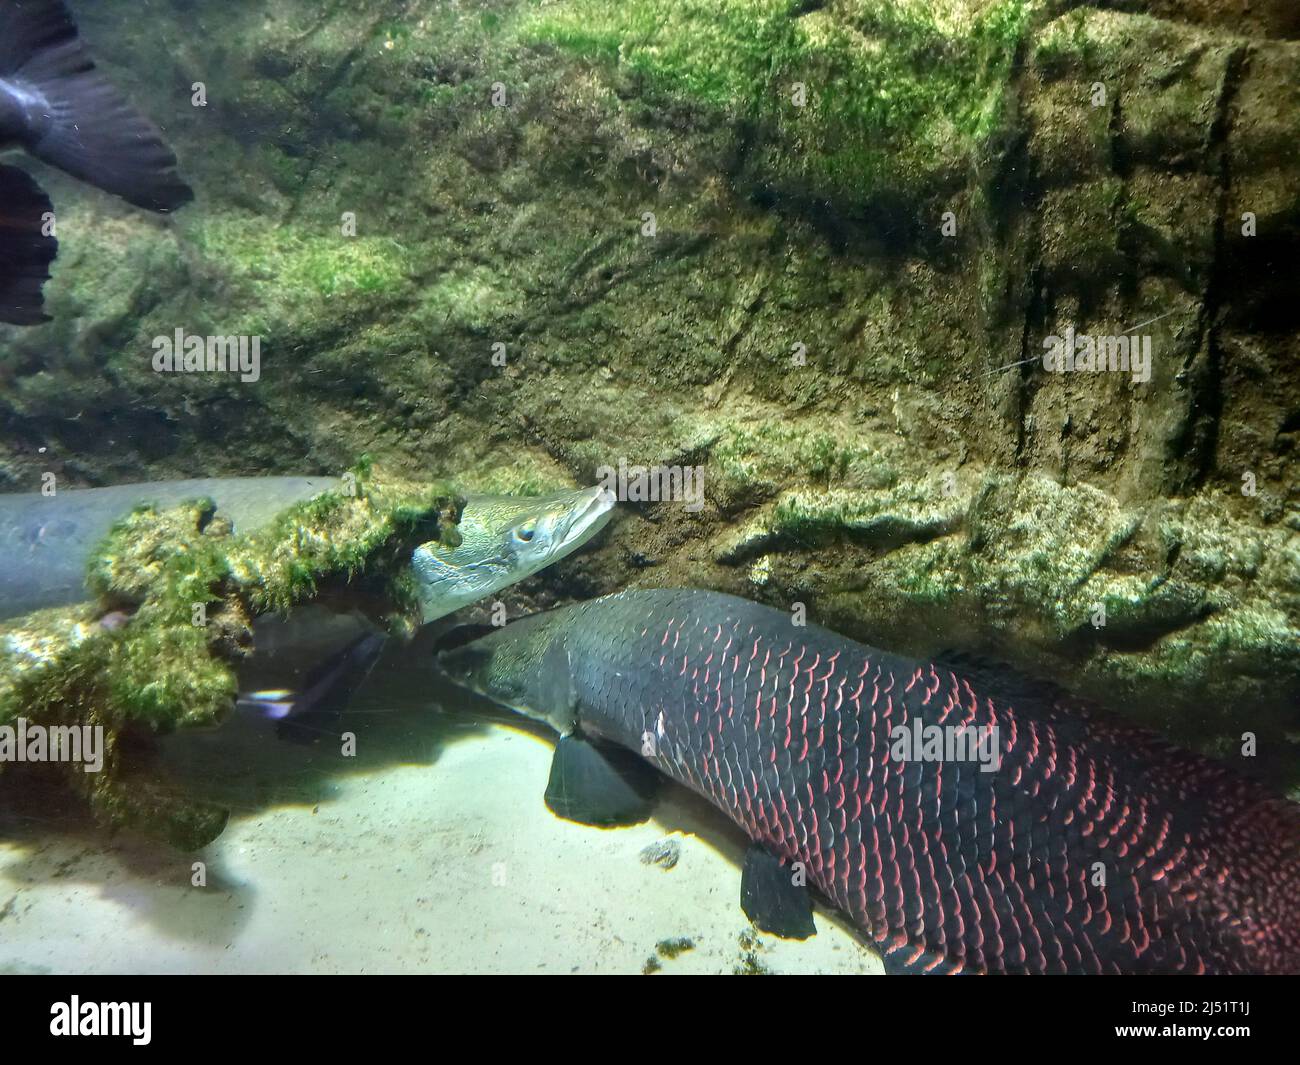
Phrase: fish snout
(595,506)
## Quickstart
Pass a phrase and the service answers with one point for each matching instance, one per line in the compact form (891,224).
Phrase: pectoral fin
(598,785)
(774,896)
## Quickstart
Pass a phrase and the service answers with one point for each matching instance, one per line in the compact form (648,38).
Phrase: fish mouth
(593,509)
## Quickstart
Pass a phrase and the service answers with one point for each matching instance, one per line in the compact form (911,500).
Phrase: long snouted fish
(503,540)
(57,106)
(1033,835)
(46,543)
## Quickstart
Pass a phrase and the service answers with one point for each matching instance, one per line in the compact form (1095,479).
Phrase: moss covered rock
(182,591)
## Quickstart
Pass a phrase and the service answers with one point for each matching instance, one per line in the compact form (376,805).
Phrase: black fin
(25,251)
(603,786)
(30,29)
(771,897)
(310,710)
(82,124)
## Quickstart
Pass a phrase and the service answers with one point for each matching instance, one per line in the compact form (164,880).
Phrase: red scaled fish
(962,830)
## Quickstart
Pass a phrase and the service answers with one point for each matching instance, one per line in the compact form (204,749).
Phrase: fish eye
(525,533)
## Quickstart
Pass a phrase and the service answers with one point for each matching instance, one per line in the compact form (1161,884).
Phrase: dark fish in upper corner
(55,105)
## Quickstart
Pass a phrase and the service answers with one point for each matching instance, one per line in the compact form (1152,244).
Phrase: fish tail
(74,118)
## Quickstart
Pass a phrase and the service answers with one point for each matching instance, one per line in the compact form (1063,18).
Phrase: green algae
(771,451)
(749,962)
(301,264)
(185,592)
(856,100)
(667,950)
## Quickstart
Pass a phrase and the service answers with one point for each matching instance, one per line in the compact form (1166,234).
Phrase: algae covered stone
(182,592)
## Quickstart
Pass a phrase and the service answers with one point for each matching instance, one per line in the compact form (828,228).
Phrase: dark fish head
(523,666)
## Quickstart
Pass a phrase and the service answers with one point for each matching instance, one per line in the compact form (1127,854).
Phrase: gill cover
(525,666)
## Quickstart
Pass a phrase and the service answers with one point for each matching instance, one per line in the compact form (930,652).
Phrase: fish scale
(1094,847)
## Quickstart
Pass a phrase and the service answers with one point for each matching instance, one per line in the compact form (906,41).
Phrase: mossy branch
(181,590)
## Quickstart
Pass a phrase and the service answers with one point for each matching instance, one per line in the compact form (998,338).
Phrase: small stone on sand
(663,853)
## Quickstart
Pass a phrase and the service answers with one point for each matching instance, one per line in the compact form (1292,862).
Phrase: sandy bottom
(430,851)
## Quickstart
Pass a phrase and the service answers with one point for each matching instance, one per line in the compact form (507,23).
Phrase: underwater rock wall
(868,218)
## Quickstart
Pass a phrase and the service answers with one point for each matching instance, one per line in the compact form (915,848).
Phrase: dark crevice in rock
(1014,202)
(1121,162)
(1264,275)
(1202,431)
(1037,308)
(1128,239)
(1139,634)
(881,535)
